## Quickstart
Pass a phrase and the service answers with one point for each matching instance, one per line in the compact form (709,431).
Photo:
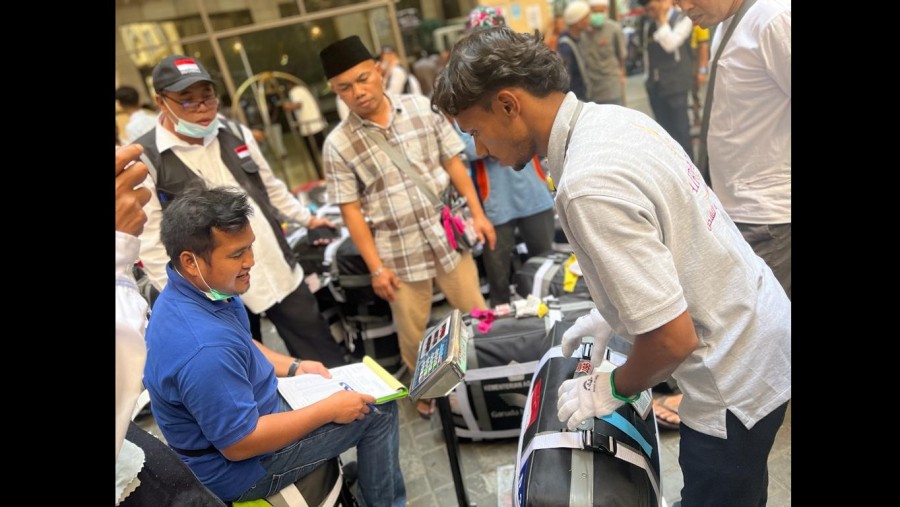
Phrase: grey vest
(668,73)
(172,177)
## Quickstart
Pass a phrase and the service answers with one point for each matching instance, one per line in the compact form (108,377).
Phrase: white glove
(591,324)
(585,397)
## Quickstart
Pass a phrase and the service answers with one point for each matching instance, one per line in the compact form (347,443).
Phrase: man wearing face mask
(604,51)
(192,145)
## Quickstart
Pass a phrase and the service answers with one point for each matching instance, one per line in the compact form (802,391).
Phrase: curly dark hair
(486,61)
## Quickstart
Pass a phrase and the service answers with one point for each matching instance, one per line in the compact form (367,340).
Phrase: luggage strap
(331,249)
(361,331)
(586,440)
(543,276)
(557,310)
(465,404)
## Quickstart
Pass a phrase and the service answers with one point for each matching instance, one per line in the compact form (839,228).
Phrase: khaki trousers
(411,307)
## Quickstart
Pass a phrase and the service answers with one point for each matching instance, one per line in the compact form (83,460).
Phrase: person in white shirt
(140,120)
(131,313)
(397,79)
(194,145)
(310,121)
(749,136)
(667,38)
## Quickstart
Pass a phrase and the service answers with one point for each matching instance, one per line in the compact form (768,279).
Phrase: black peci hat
(342,55)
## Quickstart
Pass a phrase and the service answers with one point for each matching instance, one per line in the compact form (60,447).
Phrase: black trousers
(165,479)
(303,329)
(671,112)
(732,471)
(537,231)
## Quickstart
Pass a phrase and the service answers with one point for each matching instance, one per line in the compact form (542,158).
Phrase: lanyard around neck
(572,122)
(574,119)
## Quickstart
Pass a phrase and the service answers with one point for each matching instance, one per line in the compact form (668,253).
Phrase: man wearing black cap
(406,249)
(193,145)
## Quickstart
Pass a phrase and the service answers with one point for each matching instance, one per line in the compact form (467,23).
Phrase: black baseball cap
(177,72)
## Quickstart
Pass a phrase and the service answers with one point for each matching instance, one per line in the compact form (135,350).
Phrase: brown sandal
(665,411)
(425,408)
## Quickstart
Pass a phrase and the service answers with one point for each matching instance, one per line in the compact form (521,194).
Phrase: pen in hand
(348,388)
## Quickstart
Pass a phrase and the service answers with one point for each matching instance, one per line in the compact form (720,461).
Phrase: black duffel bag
(614,463)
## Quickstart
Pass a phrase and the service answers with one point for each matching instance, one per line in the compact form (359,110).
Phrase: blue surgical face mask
(194,130)
(598,18)
(213,294)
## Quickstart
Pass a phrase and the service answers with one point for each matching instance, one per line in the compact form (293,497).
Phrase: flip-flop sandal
(662,423)
(426,415)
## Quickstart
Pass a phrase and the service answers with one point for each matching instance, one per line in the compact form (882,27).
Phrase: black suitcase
(499,365)
(370,331)
(616,463)
(351,280)
(488,404)
(311,257)
(544,275)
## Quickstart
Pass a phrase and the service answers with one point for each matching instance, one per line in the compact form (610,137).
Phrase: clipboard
(367,377)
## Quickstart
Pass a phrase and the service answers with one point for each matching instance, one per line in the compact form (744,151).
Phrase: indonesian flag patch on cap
(186,66)
(242,151)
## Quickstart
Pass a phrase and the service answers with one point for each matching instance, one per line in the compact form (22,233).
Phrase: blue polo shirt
(208,383)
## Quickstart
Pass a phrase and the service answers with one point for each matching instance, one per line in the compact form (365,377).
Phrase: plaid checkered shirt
(406,226)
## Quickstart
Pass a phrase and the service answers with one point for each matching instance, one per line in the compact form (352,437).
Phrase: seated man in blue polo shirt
(213,388)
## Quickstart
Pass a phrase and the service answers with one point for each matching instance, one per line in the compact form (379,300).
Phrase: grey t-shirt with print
(653,241)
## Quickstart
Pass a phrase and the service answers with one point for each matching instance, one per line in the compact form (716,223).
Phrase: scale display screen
(441,362)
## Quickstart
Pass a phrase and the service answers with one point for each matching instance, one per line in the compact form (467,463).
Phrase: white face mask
(194,130)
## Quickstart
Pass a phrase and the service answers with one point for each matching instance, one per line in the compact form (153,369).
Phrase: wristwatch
(292,369)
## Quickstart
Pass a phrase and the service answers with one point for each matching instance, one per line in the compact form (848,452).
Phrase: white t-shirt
(396,80)
(749,140)
(309,116)
(653,241)
(139,123)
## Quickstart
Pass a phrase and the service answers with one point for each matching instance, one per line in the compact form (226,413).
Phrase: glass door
(266,64)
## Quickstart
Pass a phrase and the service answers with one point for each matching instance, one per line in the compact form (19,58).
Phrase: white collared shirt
(272,279)
(131,353)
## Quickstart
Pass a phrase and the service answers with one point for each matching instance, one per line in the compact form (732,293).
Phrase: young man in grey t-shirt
(665,265)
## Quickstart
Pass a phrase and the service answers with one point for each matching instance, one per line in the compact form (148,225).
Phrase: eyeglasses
(192,106)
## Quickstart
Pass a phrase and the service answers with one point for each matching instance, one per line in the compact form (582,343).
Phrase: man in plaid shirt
(406,248)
